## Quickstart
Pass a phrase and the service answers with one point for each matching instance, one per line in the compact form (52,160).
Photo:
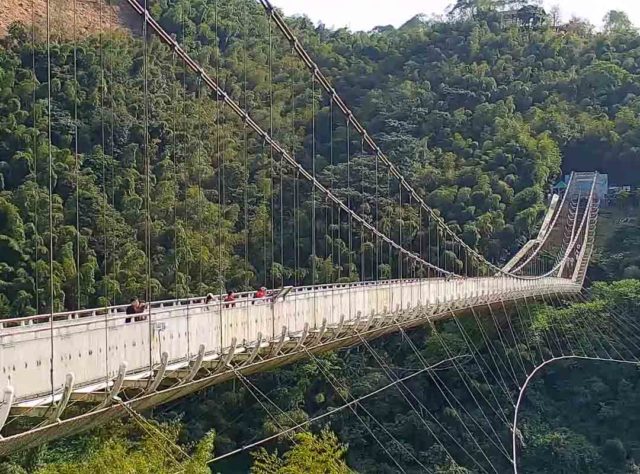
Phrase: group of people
(230,298)
(137,307)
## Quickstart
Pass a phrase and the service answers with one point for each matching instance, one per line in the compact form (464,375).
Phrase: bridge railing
(167,306)
(113,310)
(119,311)
(42,321)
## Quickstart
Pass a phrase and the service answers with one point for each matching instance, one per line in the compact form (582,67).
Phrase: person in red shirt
(261,293)
(229,298)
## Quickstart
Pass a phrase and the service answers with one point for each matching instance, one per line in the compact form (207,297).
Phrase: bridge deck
(93,346)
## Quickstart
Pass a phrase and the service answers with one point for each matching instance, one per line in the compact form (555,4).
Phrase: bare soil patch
(88,16)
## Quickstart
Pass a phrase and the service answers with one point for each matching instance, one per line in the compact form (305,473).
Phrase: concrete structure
(93,345)
(99,358)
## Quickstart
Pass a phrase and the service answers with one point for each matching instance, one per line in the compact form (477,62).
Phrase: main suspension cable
(326,85)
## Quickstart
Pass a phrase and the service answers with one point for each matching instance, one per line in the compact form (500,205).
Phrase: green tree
(155,453)
(617,21)
(315,454)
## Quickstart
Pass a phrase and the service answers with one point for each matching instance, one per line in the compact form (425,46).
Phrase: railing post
(273,318)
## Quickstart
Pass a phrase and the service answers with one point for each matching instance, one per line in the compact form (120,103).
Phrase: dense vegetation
(477,111)
(618,255)
(482,111)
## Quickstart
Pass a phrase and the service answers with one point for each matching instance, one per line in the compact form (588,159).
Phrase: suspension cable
(488,343)
(331,167)
(176,185)
(330,412)
(339,388)
(199,170)
(105,199)
(460,371)
(392,377)
(515,431)
(510,368)
(147,182)
(313,67)
(516,342)
(314,257)
(437,381)
(112,166)
(223,96)
(245,195)
(36,140)
(272,216)
(75,152)
(51,250)
(474,350)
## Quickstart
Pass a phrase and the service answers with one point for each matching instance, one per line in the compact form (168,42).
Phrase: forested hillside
(478,112)
(482,110)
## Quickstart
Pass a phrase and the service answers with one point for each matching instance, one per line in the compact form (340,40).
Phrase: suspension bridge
(65,372)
